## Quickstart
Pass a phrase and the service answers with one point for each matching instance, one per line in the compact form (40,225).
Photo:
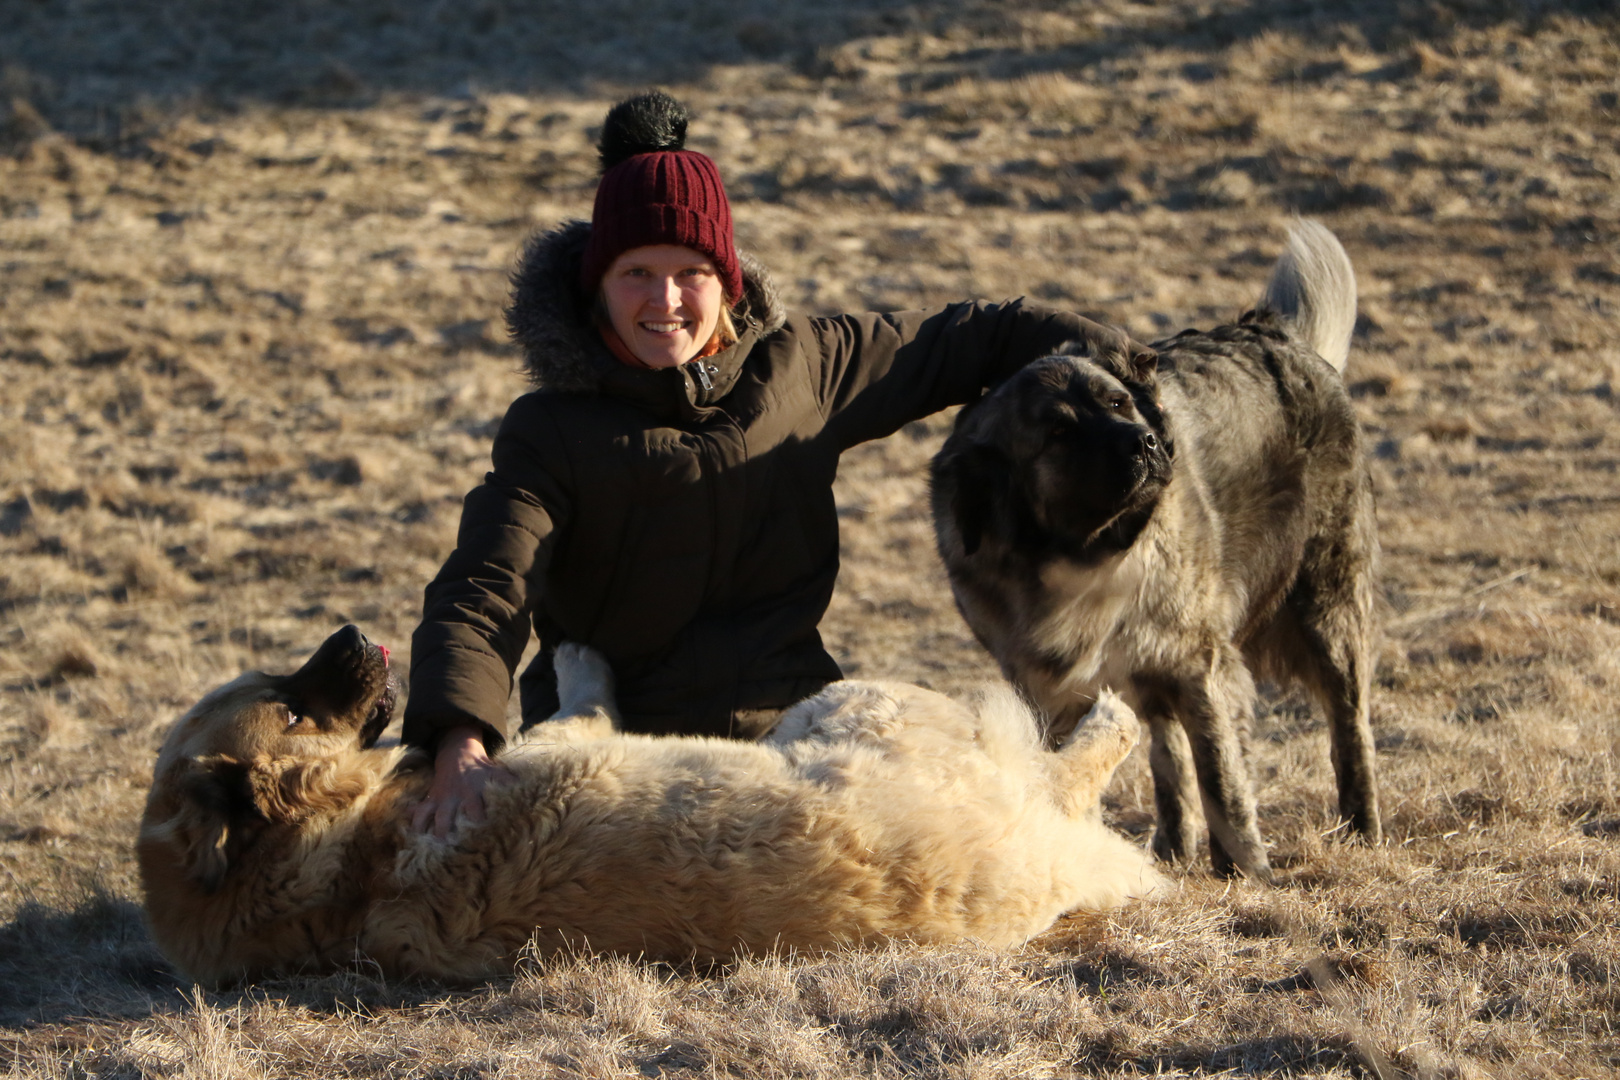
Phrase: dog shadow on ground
(98,961)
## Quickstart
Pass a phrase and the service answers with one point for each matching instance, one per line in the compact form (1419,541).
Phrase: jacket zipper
(703,375)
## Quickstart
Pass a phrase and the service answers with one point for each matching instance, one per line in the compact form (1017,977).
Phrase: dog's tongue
(384,650)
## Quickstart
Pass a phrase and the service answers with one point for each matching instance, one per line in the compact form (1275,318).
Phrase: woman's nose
(669,293)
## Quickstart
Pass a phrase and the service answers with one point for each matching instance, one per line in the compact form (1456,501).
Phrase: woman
(665,495)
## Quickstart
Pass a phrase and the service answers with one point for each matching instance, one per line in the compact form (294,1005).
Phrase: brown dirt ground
(252,260)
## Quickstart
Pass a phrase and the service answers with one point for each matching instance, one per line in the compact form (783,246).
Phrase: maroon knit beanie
(654,192)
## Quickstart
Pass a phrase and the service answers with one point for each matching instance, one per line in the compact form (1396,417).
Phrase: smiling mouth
(663,327)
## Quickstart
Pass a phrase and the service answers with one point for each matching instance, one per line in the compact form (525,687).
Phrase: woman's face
(663,301)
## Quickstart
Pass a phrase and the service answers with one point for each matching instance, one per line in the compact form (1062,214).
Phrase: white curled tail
(1313,287)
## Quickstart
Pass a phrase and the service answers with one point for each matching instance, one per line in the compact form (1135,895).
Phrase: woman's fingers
(444,817)
(423,814)
(461,770)
(459,793)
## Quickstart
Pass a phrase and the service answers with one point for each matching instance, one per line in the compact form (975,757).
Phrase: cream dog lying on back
(276,839)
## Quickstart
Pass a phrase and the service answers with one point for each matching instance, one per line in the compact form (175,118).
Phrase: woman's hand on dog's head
(462,768)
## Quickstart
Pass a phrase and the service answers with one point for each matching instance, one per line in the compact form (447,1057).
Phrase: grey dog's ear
(1128,361)
(215,801)
(1143,364)
(967,481)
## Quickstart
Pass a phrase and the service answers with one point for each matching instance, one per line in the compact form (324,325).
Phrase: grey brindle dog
(1170,529)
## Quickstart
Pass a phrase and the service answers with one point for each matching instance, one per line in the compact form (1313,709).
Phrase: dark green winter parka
(681,521)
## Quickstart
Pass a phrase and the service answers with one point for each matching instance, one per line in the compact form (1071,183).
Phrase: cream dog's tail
(1313,287)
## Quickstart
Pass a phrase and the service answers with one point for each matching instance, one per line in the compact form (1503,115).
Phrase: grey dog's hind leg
(1345,676)
(1324,636)
(1347,633)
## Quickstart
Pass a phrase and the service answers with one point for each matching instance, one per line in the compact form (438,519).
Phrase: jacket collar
(550,318)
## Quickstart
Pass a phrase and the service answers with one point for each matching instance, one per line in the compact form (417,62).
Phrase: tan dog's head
(263,749)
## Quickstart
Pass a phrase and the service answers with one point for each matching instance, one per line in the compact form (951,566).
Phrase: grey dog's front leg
(1217,719)
(1175,790)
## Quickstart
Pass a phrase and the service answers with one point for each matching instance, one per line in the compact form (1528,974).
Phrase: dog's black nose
(1148,444)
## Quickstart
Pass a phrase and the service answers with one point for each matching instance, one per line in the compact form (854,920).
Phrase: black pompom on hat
(644,124)
(654,191)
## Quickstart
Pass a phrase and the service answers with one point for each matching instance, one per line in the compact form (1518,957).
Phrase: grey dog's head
(1068,456)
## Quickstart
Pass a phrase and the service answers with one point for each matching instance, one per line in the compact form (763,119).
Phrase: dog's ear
(1115,351)
(1132,363)
(1142,363)
(290,792)
(215,802)
(968,482)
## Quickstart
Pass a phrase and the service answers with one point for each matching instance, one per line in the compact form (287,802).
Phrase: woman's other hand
(461,771)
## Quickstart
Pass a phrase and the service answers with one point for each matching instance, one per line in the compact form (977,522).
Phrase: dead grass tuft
(70,654)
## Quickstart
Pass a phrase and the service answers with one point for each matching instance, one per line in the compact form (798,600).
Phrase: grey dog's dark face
(1086,455)
(1063,453)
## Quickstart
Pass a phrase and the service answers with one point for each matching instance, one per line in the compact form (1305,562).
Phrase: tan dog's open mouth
(346,685)
(382,713)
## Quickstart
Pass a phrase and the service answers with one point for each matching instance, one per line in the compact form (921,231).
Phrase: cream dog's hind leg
(1098,744)
(584,685)
(586,707)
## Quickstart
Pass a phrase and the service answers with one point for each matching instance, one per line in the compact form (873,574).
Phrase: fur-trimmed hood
(550,317)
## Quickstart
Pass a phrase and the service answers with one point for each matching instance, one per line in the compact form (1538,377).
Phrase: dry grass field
(252,261)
